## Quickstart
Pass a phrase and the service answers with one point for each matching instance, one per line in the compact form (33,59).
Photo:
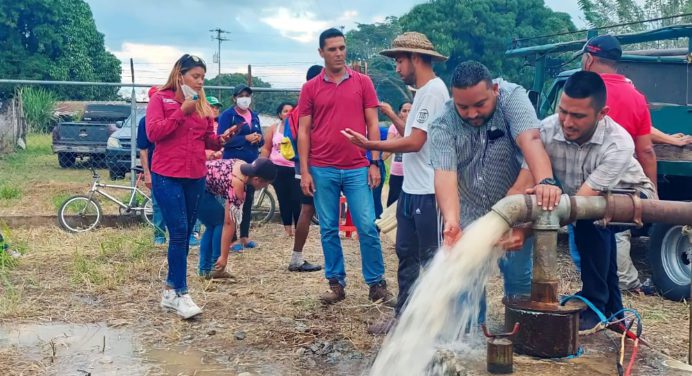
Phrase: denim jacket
(238,147)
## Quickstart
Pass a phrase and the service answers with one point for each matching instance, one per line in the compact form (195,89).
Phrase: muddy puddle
(96,349)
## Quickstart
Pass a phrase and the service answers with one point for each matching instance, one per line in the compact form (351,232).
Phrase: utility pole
(219,38)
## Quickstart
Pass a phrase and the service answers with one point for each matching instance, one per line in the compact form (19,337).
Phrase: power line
(603,27)
(220,39)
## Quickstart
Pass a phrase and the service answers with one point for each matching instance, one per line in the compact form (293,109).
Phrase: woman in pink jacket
(181,124)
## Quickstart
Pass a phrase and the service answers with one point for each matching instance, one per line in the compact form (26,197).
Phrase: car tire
(66,160)
(116,175)
(668,258)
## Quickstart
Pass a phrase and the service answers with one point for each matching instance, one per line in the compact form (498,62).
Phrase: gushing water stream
(433,317)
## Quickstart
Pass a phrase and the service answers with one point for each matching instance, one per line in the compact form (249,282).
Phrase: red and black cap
(603,46)
(261,168)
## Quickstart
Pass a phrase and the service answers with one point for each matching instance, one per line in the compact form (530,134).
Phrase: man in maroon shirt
(340,98)
(629,108)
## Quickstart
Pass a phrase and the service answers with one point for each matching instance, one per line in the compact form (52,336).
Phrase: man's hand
(374,177)
(221,263)
(188,106)
(306,184)
(386,109)
(356,138)
(451,234)
(230,132)
(547,196)
(514,239)
(147,179)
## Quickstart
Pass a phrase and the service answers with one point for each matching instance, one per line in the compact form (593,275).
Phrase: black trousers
(288,192)
(417,239)
(599,273)
(395,183)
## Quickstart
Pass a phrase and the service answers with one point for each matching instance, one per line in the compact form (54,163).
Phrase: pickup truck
(119,144)
(88,138)
(663,76)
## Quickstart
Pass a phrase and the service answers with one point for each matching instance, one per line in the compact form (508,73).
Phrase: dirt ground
(269,322)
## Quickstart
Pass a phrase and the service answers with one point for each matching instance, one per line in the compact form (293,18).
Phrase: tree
(483,29)
(364,44)
(262,102)
(55,40)
(599,13)
(461,29)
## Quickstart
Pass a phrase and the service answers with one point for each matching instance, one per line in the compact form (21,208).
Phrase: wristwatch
(375,162)
(549,181)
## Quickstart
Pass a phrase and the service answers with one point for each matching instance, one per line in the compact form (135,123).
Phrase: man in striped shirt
(591,153)
(478,144)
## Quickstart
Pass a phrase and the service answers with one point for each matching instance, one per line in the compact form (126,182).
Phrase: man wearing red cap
(629,108)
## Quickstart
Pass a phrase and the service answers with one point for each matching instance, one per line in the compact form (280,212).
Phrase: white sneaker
(182,304)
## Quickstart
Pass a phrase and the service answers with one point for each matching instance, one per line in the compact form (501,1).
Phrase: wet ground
(79,305)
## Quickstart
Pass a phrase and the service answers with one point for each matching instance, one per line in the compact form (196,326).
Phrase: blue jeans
(516,269)
(573,247)
(329,183)
(211,214)
(178,199)
(159,224)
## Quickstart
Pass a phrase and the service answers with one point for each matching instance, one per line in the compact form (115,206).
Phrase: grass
(59,199)
(8,192)
(34,183)
(117,257)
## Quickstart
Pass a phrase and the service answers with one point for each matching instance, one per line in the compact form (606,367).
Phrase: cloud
(300,26)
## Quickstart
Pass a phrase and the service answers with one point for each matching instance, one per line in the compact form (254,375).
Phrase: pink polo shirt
(627,105)
(334,108)
(180,139)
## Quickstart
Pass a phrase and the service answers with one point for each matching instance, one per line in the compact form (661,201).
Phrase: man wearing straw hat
(418,220)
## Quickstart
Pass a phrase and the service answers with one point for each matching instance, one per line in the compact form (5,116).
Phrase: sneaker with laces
(182,304)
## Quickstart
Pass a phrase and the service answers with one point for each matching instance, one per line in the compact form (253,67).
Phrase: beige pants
(627,273)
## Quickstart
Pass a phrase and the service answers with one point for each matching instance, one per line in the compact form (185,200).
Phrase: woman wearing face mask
(227,182)
(286,186)
(180,123)
(244,146)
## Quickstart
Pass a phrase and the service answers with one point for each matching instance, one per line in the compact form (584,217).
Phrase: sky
(278,38)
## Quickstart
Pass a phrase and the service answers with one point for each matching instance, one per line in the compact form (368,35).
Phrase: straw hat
(413,42)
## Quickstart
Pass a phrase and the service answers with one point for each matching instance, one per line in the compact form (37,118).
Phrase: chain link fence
(41,165)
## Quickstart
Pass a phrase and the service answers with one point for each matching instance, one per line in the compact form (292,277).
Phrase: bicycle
(82,213)
(264,207)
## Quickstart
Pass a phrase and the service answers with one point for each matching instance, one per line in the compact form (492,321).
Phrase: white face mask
(244,102)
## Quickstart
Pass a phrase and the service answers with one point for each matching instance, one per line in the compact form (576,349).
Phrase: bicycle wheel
(79,214)
(148,212)
(263,207)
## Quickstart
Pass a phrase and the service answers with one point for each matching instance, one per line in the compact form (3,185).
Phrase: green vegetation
(39,107)
(113,261)
(8,192)
(55,40)
(262,102)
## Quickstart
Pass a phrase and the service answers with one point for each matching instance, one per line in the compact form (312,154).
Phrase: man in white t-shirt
(418,220)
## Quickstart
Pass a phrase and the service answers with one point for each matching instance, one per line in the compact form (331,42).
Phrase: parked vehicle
(663,75)
(119,144)
(88,138)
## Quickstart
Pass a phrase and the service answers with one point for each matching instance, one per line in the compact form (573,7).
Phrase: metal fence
(54,165)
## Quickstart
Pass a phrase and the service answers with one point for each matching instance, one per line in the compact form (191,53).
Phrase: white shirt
(427,104)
